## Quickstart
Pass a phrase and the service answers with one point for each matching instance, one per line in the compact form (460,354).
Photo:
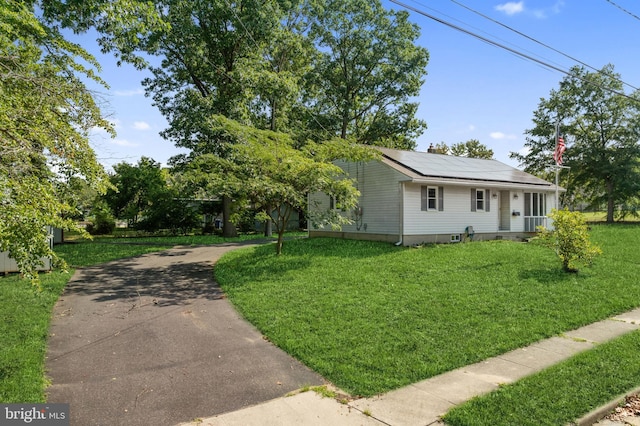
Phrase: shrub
(569,239)
(103,222)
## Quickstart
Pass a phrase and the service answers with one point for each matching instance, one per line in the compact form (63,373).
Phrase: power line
(509,49)
(480,30)
(536,40)
(481,38)
(623,9)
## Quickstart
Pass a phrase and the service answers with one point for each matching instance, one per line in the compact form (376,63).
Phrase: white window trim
(486,202)
(481,192)
(438,198)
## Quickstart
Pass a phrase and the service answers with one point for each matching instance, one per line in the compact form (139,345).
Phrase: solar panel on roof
(448,166)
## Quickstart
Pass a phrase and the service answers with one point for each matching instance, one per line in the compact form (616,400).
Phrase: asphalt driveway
(152,340)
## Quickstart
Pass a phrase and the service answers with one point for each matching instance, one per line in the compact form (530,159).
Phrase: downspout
(401,215)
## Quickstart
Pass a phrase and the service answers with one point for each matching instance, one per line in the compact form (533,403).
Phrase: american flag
(560,148)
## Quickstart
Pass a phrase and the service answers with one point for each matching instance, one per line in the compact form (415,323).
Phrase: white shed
(7,264)
(410,197)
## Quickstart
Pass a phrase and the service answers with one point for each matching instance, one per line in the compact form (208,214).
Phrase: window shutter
(423,200)
(487,197)
(473,199)
(440,198)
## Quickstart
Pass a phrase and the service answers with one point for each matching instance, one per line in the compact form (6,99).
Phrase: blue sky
(472,90)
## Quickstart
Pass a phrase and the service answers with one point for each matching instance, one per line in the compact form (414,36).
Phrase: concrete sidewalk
(423,403)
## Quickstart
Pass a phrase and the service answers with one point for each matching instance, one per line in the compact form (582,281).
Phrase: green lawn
(371,317)
(594,217)
(24,326)
(560,394)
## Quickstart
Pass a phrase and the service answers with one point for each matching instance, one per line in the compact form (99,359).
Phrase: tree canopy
(601,128)
(135,187)
(367,69)
(46,114)
(312,69)
(471,148)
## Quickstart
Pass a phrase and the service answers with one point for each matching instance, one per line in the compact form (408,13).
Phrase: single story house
(410,198)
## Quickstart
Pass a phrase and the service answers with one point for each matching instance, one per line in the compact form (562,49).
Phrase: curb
(598,413)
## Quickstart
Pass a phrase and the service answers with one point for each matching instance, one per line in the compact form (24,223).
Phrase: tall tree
(46,113)
(237,59)
(287,58)
(287,55)
(368,69)
(207,54)
(601,127)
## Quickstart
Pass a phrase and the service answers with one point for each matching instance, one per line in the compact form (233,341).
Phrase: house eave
(437,180)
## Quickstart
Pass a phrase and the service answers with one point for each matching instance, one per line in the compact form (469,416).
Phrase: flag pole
(557,170)
(557,190)
(557,156)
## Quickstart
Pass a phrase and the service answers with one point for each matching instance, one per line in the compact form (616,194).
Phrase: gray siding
(380,198)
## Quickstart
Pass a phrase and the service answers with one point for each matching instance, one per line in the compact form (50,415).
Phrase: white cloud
(511,8)
(502,136)
(123,142)
(557,7)
(141,125)
(472,127)
(133,92)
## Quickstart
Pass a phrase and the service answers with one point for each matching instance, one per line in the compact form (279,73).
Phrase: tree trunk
(268,228)
(610,201)
(343,130)
(280,241)
(228,228)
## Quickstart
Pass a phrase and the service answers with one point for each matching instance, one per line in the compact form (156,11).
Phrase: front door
(505,211)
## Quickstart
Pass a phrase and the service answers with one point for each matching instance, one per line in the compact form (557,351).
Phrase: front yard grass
(560,394)
(24,327)
(371,317)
